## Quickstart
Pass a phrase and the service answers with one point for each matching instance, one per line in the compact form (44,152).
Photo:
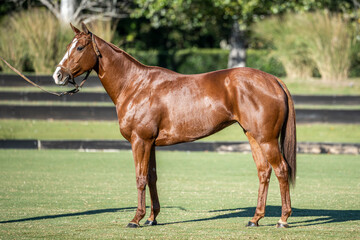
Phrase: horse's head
(81,56)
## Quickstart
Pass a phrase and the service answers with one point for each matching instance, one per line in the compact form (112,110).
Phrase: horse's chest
(125,121)
(172,119)
(139,117)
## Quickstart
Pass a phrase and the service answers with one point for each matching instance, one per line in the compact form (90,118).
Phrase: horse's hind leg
(272,153)
(152,178)
(264,173)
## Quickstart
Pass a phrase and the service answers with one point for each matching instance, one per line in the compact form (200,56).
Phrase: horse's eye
(80,48)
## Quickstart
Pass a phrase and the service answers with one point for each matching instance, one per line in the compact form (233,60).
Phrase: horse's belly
(194,122)
(166,138)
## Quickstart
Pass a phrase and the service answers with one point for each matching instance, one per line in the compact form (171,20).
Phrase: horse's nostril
(59,75)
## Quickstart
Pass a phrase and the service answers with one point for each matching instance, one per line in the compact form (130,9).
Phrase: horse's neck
(117,69)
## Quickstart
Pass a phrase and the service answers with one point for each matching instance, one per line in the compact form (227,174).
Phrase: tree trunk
(237,56)
(67,10)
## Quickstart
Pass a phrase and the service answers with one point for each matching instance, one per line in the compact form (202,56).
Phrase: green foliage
(328,41)
(195,60)
(192,61)
(288,47)
(150,57)
(263,60)
(186,14)
(190,14)
(355,59)
(105,29)
(308,40)
(181,18)
(27,37)
(12,48)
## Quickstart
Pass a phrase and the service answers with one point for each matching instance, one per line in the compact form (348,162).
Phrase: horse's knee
(275,159)
(141,183)
(281,171)
(264,174)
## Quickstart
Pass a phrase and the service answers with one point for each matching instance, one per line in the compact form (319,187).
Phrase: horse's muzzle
(61,78)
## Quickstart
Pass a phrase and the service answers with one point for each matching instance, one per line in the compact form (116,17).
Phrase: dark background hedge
(191,61)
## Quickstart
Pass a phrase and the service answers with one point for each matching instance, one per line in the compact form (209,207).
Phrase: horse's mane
(119,50)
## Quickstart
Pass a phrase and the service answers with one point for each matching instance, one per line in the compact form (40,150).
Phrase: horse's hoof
(133,225)
(282,225)
(150,223)
(252,224)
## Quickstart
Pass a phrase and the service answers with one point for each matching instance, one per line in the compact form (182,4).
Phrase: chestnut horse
(158,107)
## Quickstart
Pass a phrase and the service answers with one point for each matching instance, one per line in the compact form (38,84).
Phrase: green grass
(316,86)
(52,130)
(328,107)
(77,195)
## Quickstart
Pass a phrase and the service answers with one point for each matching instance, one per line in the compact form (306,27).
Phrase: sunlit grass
(72,195)
(52,130)
(315,86)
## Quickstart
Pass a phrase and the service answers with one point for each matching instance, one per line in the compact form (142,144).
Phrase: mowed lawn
(82,195)
(53,130)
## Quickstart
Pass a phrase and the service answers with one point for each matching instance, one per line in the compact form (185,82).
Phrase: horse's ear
(76,31)
(84,28)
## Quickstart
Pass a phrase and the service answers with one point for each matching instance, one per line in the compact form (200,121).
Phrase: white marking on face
(66,56)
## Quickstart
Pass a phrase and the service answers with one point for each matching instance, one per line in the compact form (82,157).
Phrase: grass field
(78,195)
(52,130)
(315,86)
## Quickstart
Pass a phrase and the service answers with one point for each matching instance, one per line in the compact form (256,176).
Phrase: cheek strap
(96,49)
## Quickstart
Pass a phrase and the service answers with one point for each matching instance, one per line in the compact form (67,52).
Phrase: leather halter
(96,49)
(72,79)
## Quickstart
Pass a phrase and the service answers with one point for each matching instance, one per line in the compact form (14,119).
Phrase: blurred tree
(8,6)
(236,15)
(75,11)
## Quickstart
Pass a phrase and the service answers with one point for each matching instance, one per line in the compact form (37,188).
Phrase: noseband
(71,76)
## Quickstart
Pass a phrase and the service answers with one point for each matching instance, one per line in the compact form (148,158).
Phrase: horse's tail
(288,136)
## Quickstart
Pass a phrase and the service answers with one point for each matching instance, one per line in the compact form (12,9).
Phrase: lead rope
(71,92)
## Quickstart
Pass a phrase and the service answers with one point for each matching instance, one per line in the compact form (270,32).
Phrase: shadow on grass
(318,216)
(85,213)
(90,212)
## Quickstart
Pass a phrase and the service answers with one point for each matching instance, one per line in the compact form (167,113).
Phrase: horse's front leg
(141,153)
(152,178)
